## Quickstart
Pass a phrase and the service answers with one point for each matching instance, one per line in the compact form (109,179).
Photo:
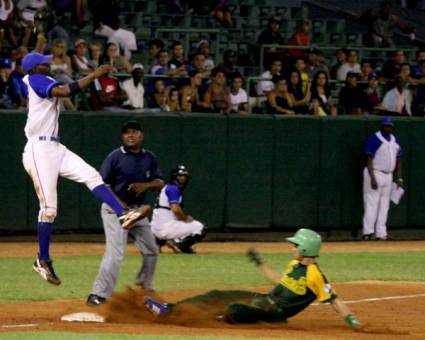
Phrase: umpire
(130,171)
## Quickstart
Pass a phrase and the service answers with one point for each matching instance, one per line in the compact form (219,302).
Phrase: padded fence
(247,171)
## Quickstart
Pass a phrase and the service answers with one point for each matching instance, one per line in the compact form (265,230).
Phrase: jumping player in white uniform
(169,221)
(45,159)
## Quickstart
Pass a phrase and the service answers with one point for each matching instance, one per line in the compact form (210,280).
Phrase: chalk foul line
(22,325)
(383,298)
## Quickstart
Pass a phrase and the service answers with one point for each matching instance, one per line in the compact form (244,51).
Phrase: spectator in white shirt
(238,96)
(397,101)
(351,65)
(134,88)
(265,86)
(203,47)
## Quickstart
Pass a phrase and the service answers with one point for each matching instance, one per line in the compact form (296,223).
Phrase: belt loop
(51,138)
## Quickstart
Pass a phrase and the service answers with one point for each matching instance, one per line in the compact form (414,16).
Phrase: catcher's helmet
(308,242)
(179,170)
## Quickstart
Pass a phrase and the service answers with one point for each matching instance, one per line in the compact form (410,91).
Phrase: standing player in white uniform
(45,159)
(383,153)
(169,221)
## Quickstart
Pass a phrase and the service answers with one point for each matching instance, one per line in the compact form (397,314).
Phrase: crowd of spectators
(297,80)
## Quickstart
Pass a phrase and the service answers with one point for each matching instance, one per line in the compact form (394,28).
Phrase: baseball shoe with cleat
(367,237)
(45,269)
(155,307)
(95,300)
(131,216)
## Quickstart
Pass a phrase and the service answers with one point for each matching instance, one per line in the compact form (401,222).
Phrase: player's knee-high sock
(103,193)
(44,233)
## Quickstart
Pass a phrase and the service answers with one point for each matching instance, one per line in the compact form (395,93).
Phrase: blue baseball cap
(5,63)
(373,75)
(33,59)
(387,121)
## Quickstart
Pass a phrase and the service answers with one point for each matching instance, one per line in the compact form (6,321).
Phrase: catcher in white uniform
(45,159)
(383,153)
(170,224)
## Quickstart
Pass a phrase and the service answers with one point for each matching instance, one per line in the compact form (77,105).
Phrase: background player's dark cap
(387,121)
(131,125)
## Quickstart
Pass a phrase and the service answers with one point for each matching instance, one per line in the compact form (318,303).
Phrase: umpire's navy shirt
(123,167)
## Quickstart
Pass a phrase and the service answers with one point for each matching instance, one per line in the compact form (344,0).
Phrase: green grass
(201,272)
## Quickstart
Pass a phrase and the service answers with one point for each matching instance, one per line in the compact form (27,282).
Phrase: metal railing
(361,51)
(187,32)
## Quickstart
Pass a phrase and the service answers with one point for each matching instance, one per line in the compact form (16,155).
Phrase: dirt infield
(28,249)
(396,309)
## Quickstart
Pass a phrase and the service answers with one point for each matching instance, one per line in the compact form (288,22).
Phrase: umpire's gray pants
(116,244)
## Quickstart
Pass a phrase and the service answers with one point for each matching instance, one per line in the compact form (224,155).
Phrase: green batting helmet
(308,242)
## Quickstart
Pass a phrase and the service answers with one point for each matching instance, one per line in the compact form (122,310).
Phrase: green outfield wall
(247,171)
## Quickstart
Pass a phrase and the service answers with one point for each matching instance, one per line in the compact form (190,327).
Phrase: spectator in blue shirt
(5,72)
(18,90)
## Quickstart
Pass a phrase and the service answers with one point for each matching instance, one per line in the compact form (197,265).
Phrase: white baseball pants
(45,161)
(376,203)
(177,229)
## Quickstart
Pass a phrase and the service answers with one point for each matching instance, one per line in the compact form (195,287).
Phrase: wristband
(74,88)
(351,321)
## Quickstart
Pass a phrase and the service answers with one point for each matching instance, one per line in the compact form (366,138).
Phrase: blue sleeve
(42,85)
(173,193)
(155,169)
(160,71)
(400,152)
(16,86)
(106,168)
(373,144)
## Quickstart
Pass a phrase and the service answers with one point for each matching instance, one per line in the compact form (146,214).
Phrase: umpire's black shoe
(367,237)
(95,300)
(45,269)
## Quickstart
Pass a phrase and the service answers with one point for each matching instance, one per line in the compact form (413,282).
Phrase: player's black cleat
(367,237)
(95,300)
(160,242)
(45,269)
(185,245)
(186,249)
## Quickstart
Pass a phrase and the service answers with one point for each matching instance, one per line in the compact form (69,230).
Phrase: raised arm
(77,86)
(270,274)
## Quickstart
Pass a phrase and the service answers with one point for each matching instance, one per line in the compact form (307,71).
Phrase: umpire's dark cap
(132,124)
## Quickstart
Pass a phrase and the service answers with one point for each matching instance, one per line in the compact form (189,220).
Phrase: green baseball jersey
(299,286)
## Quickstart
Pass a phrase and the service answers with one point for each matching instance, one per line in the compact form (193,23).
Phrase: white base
(83,317)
